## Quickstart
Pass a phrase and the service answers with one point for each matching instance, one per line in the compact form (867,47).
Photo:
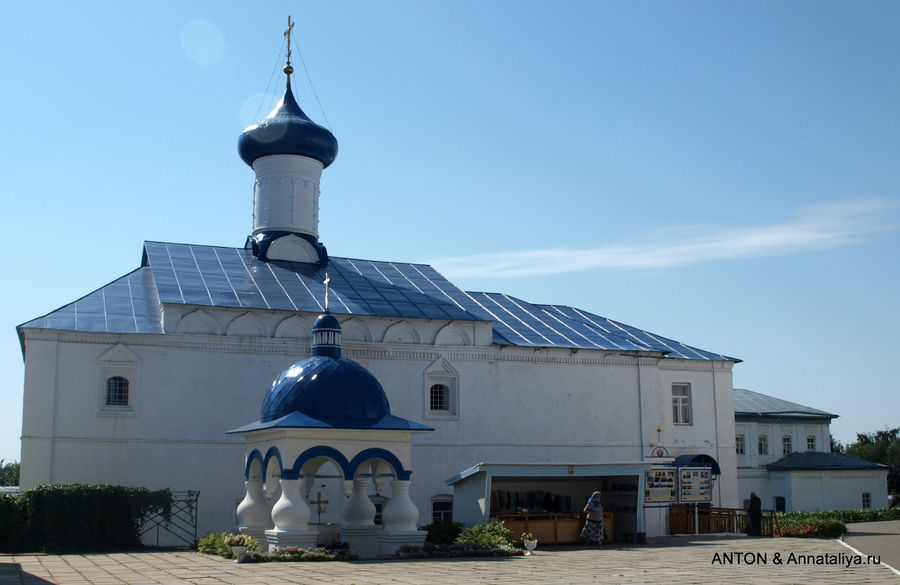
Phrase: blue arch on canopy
(254,455)
(312,453)
(384,454)
(272,452)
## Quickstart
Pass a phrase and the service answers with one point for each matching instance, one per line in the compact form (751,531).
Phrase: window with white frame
(441,509)
(867,499)
(762,445)
(739,444)
(441,398)
(786,448)
(681,404)
(811,443)
(117,382)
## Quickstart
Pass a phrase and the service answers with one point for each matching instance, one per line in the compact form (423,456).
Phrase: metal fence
(180,529)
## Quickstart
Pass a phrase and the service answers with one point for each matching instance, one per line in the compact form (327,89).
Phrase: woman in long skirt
(593,527)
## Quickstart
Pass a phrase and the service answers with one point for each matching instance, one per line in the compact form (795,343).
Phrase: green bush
(486,533)
(220,543)
(812,524)
(443,532)
(832,529)
(78,518)
(214,544)
(846,516)
(12,523)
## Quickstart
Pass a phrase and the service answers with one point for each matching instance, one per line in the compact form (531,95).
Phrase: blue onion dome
(327,386)
(335,390)
(287,130)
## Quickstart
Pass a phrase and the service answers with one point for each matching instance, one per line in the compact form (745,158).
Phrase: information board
(695,484)
(659,485)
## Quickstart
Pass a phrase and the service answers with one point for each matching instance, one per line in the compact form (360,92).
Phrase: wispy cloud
(814,228)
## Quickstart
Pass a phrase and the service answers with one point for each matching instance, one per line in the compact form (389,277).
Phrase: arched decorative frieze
(401,332)
(247,325)
(294,327)
(383,454)
(452,334)
(354,329)
(198,322)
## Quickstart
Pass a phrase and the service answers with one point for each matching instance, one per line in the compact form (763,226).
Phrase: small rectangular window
(762,445)
(739,444)
(441,511)
(811,443)
(681,404)
(786,448)
(867,499)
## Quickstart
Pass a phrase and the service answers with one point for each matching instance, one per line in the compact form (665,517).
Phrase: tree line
(878,447)
(9,473)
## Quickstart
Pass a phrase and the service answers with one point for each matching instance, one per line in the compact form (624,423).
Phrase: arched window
(116,391)
(439,398)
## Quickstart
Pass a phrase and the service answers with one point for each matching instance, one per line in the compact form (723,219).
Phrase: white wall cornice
(376,350)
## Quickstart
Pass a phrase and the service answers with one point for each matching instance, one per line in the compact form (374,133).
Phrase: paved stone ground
(670,561)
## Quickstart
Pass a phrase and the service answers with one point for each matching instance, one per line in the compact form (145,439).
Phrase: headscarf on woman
(593,526)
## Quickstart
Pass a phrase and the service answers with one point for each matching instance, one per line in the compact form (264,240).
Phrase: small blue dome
(335,390)
(327,321)
(287,130)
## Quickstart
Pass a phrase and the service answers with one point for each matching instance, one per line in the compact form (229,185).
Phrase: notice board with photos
(695,484)
(659,485)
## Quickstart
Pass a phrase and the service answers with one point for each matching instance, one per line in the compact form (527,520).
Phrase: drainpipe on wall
(716,419)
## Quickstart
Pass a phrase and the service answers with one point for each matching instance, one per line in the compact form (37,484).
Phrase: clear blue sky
(723,173)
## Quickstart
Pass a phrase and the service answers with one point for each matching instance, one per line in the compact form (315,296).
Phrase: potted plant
(240,543)
(530,542)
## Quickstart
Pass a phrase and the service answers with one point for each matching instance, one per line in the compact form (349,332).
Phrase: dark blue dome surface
(327,321)
(335,390)
(287,130)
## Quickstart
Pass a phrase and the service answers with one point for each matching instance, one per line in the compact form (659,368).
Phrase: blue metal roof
(749,404)
(214,276)
(818,460)
(126,305)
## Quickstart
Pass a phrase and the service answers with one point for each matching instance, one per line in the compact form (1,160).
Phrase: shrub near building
(830,524)
(78,518)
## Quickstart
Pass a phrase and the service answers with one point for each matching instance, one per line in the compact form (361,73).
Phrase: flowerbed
(458,549)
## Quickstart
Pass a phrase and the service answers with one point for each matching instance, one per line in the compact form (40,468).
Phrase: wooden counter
(552,528)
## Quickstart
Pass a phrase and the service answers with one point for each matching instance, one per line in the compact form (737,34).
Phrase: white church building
(514,406)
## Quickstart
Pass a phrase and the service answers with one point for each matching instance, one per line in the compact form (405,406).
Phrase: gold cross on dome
(287,36)
(326,282)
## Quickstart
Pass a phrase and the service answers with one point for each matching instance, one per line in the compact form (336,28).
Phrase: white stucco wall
(819,490)
(514,404)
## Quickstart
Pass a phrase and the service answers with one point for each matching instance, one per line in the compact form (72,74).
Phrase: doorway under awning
(553,491)
(698,460)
